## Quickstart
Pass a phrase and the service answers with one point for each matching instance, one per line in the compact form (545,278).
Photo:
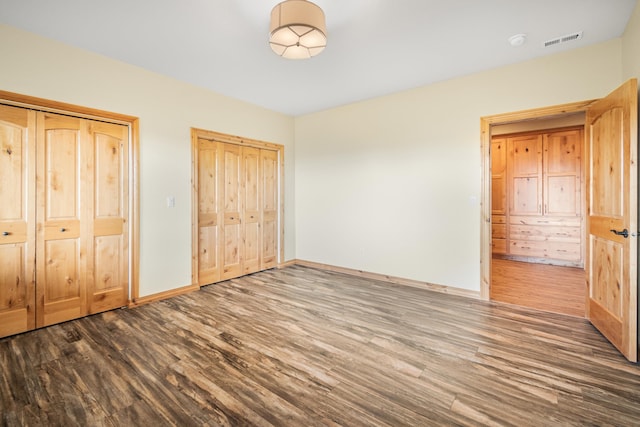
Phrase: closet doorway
(237,207)
(68,212)
(537,214)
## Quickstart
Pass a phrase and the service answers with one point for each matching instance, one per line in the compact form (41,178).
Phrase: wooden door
(611,255)
(17,219)
(231,238)
(61,253)
(82,210)
(269,211)
(105,215)
(525,175)
(208,211)
(252,199)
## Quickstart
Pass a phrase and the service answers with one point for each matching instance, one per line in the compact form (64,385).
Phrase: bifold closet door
(252,199)
(17,219)
(61,256)
(237,209)
(231,205)
(208,220)
(82,238)
(107,224)
(269,172)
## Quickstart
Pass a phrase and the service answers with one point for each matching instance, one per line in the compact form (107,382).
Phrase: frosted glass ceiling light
(298,29)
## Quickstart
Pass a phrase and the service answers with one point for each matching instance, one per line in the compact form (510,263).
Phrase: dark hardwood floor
(304,347)
(540,286)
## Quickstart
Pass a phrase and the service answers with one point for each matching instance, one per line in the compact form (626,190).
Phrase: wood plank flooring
(305,347)
(540,286)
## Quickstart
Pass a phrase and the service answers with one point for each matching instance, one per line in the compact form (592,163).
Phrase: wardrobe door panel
(251,212)
(231,242)
(107,229)
(269,162)
(63,294)
(525,175)
(562,169)
(208,211)
(17,211)
(60,268)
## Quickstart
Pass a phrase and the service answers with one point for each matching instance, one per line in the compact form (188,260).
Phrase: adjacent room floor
(304,347)
(540,286)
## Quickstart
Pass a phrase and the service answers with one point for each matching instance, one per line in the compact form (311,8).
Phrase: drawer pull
(5,233)
(62,230)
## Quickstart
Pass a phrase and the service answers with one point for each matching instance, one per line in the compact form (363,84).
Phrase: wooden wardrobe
(64,236)
(236,195)
(537,203)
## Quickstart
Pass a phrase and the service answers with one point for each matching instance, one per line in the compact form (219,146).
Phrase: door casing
(485,196)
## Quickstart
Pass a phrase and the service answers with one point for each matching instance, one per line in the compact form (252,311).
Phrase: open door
(612,217)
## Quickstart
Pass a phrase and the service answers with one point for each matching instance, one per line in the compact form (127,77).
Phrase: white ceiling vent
(563,39)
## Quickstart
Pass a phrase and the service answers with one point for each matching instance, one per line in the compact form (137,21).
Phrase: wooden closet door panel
(499,176)
(231,200)
(525,175)
(60,268)
(17,219)
(208,165)
(106,217)
(562,172)
(269,162)
(252,190)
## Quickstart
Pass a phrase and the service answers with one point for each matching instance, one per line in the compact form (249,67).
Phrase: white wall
(391,185)
(35,66)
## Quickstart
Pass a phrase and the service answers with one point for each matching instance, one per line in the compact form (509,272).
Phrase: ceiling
(375,47)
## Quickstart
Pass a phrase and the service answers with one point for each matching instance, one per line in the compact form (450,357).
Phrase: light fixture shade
(297,29)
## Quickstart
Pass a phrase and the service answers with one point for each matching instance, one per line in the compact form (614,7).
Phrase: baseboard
(287,263)
(390,279)
(136,302)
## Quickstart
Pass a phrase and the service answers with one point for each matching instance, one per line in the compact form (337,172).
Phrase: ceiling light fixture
(297,29)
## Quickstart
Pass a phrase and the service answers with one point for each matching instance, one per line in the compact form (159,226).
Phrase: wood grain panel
(607,279)
(230,244)
(524,172)
(252,199)
(563,173)
(499,176)
(606,169)
(612,198)
(306,347)
(270,208)
(208,215)
(17,210)
(60,270)
(107,231)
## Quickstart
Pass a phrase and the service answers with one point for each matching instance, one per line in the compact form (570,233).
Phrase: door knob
(624,233)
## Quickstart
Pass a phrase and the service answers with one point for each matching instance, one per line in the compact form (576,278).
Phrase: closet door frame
(50,106)
(196,135)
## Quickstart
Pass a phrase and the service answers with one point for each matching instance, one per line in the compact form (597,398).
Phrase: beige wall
(167,109)
(389,185)
(631,46)
(392,185)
